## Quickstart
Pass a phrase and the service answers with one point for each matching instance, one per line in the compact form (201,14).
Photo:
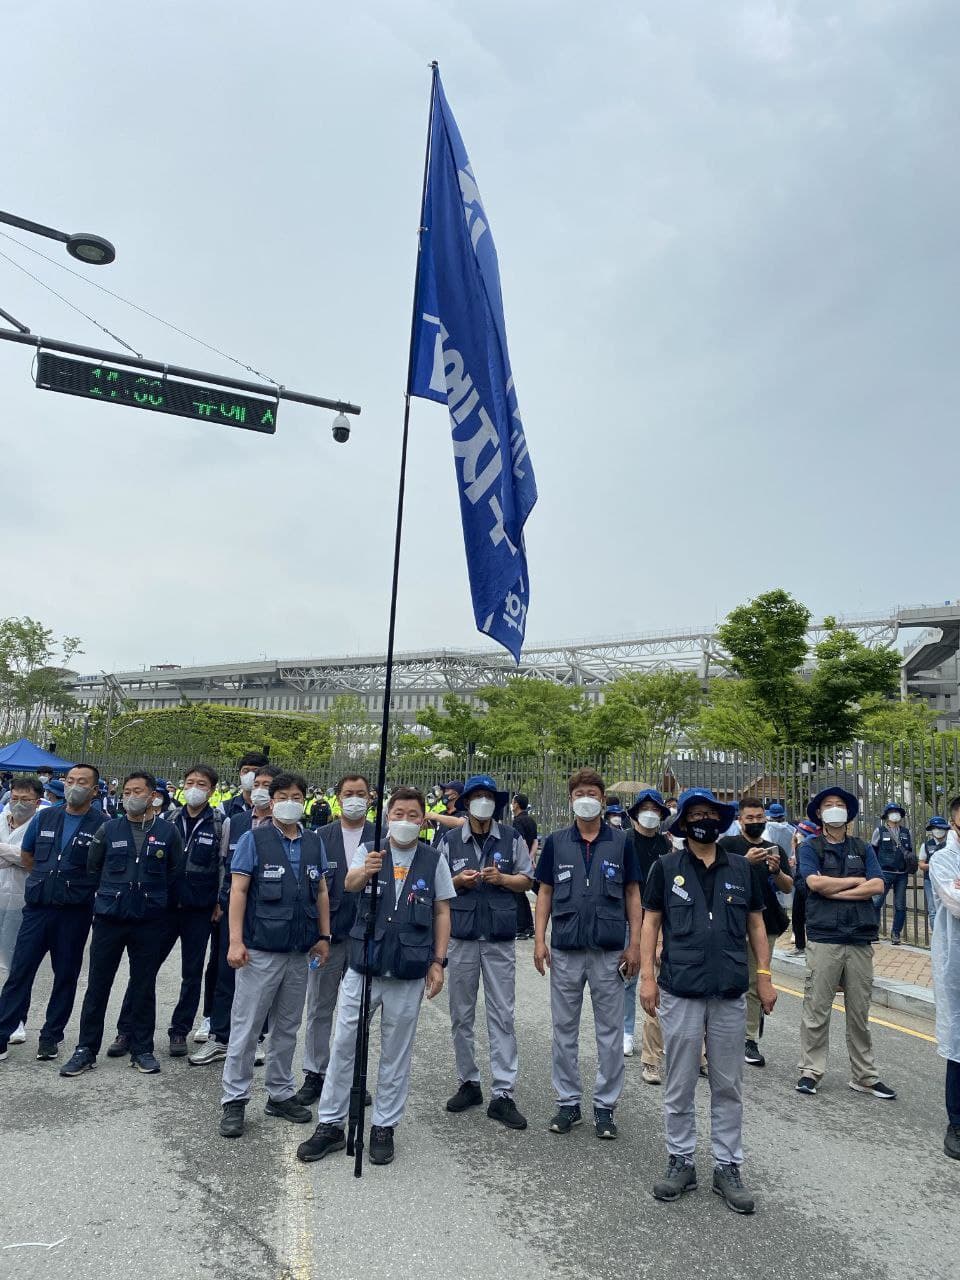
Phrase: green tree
(645,712)
(32,676)
(846,675)
(731,719)
(457,728)
(349,724)
(886,721)
(766,641)
(527,717)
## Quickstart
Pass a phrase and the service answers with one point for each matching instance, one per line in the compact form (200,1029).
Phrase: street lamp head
(93,250)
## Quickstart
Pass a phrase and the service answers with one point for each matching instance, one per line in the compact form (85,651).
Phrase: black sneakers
(876,1090)
(381,1144)
(3,1050)
(951,1142)
(288,1109)
(726,1183)
(806,1084)
(120,1047)
(145,1063)
(47,1050)
(566,1118)
(603,1121)
(231,1119)
(178,1046)
(752,1054)
(82,1060)
(681,1176)
(468,1095)
(505,1110)
(325,1138)
(311,1088)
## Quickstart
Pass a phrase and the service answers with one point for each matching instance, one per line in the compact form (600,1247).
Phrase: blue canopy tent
(24,756)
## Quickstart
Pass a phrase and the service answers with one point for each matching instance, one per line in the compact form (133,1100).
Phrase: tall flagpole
(361,1055)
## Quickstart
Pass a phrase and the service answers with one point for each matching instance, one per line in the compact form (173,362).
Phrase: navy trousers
(192,928)
(61,933)
(143,940)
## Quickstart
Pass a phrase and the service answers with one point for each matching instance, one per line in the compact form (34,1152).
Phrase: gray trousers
(274,983)
(497,962)
(398,1000)
(323,987)
(686,1022)
(570,972)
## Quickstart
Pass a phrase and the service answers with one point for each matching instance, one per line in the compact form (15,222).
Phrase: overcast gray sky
(729,253)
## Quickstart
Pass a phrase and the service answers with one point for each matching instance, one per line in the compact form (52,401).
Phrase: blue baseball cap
(55,787)
(776,810)
(693,795)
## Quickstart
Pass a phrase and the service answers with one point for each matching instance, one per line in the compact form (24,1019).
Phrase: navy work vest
(200,882)
(891,847)
(282,907)
(588,910)
(60,879)
(830,920)
(705,944)
(240,823)
(930,847)
(487,910)
(134,886)
(343,905)
(402,942)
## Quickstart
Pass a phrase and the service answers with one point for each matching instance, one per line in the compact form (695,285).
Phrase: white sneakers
(19,1036)
(202,1033)
(627,1045)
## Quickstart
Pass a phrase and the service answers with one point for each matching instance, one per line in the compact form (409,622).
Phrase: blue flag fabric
(460,358)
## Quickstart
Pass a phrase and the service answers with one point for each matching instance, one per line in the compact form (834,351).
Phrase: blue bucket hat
(937,823)
(893,807)
(652,794)
(851,801)
(727,812)
(776,810)
(483,782)
(55,787)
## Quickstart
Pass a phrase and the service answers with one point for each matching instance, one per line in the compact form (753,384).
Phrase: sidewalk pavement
(901,975)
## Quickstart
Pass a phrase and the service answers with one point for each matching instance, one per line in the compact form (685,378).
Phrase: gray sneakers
(209,1051)
(681,1176)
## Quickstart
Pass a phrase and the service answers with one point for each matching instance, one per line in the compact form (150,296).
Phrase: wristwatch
(325,937)
(442,963)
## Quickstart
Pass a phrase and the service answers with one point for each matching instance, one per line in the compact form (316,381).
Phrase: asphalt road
(125,1174)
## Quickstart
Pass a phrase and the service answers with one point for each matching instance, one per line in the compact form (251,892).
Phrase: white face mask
(260,797)
(894,818)
(403,833)
(288,810)
(248,779)
(482,808)
(834,816)
(157,802)
(354,807)
(647,819)
(587,807)
(195,796)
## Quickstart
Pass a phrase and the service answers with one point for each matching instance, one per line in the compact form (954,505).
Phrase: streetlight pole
(82,245)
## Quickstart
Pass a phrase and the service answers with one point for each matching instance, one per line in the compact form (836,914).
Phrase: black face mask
(704,830)
(754,830)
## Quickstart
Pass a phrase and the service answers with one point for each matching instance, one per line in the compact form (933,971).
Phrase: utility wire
(143,310)
(66,301)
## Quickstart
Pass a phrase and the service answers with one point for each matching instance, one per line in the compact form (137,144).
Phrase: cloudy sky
(729,249)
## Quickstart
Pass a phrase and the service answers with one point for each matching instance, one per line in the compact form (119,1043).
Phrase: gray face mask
(20,809)
(136,806)
(76,795)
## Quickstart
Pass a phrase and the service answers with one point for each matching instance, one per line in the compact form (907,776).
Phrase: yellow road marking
(880,1022)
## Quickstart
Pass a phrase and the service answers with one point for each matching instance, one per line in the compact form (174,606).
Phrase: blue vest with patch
(588,909)
(343,905)
(705,943)
(134,886)
(836,920)
(402,943)
(59,877)
(199,886)
(240,824)
(487,910)
(281,910)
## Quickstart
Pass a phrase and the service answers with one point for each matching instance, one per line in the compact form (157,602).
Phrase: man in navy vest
(135,862)
(407,955)
(590,886)
(279,920)
(58,907)
(842,875)
(341,840)
(893,844)
(936,835)
(707,902)
(490,864)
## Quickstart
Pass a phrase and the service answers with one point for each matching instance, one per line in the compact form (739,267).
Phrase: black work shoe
(876,1090)
(82,1060)
(145,1063)
(681,1176)
(726,1183)
(566,1118)
(3,1050)
(381,1144)
(288,1109)
(951,1142)
(603,1121)
(120,1047)
(325,1138)
(47,1050)
(178,1046)
(311,1088)
(505,1110)
(895,940)
(752,1054)
(806,1084)
(231,1119)
(468,1095)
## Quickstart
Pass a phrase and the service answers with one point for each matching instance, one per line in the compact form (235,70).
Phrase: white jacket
(945,949)
(12,875)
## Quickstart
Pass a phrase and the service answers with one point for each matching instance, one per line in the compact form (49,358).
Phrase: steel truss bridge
(422,678)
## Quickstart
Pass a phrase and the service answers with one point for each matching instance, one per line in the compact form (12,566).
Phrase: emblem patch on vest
(680,892)
(313,873)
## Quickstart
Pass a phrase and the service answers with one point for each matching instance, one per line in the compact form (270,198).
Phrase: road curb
(889,993)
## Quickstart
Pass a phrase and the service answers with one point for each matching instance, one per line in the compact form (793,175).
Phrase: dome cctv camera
(341,428)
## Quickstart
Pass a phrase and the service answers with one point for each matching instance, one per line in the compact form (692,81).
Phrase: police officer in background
(58,905)
(489,864)
(135,861)
(590,886)
(341,840)
(452,815)
(706,901)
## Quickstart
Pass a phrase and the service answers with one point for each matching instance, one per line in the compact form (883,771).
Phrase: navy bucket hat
(850,800)
(654,796)
(693,795)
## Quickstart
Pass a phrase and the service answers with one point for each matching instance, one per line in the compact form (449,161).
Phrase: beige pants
(651,1052)
(830,964)
(753,1000)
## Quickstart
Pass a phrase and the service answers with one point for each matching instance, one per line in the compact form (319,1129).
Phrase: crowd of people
(679,901)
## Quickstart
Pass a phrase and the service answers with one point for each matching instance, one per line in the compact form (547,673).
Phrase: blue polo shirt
(71,824)
(244,861)
(631,865)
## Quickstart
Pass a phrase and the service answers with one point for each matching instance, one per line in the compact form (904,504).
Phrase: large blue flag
(460,358)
